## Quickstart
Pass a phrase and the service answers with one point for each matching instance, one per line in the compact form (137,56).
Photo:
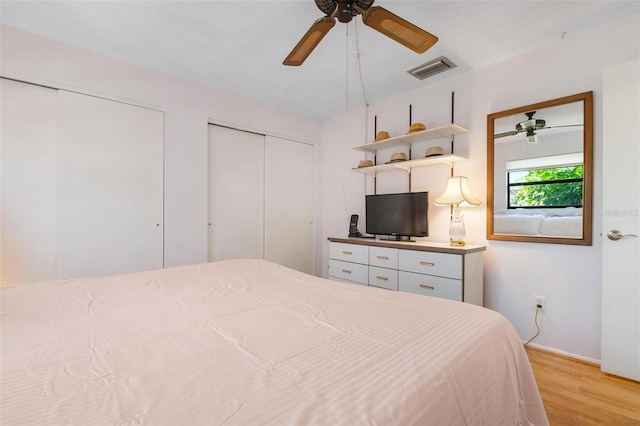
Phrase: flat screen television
(399,216)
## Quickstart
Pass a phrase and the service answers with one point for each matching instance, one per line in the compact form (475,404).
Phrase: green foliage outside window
(551,187)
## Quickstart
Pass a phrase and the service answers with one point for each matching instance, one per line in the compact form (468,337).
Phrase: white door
(621,206)
(236,194)
(289,203)
(28,121)
(109,187)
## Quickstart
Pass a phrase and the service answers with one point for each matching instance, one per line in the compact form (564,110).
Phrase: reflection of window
(554,181)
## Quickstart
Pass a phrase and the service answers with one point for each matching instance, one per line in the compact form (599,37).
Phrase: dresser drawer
(430,285)
(347,281)
(383,277)
(383,257)
(423,262)
(348,271)
(349,252)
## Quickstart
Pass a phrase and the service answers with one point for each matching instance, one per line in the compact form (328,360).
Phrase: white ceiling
(238,46)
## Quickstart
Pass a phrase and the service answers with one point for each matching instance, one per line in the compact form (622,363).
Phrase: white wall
(568,276)
(187,109)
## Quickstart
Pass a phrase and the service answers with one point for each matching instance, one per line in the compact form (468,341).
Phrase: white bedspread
(248,342)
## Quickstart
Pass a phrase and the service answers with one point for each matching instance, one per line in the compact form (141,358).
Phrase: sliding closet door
(236,194)
(27,180)
(289,202)
(109,187)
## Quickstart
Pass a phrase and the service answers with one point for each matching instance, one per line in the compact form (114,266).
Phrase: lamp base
(456,229)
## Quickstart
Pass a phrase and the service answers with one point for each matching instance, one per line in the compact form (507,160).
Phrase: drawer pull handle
(383,257)
(346,271)
(346,252)
(427,264)
(382,278)
(428,287)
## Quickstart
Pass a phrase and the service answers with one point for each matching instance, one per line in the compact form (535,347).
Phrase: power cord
(537,326)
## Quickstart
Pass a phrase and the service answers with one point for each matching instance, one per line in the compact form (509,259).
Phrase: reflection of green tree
(550,194)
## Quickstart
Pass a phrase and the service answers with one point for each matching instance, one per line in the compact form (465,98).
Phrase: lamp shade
(457,193)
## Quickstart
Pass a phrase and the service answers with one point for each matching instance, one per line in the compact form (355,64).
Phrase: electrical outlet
(540,302)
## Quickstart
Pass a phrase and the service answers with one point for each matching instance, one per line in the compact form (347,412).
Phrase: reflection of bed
(250,342)
(549,223)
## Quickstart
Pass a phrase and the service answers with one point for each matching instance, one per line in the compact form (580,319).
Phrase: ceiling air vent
(432,67)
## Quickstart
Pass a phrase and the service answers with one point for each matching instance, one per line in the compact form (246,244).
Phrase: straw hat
(434,150)
(382,135)
(397,156)
(417,127)
(365,163)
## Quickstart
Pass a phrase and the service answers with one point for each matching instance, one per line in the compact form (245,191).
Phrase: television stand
(427,268)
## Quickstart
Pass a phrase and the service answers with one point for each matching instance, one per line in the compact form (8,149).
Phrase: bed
(249,342)
(562,223)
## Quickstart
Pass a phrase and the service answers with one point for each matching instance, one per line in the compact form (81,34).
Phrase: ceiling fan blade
(563,125)
(502,135)
(309,41)
(400,30)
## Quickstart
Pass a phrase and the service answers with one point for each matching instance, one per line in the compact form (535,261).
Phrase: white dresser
(433,269)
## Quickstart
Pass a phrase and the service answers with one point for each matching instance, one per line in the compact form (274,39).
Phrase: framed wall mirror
(540,172)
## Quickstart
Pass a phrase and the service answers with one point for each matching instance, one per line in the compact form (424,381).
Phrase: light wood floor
(578,393)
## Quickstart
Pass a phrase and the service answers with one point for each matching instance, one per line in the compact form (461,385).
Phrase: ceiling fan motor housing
(347,9)
(531,123)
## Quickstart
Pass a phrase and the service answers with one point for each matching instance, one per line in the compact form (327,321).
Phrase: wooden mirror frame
(587,186)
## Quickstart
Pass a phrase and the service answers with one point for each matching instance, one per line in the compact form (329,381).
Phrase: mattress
(249,342)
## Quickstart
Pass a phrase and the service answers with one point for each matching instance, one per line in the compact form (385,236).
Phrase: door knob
(615,235)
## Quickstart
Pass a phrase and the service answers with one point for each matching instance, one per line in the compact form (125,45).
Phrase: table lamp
(457,194)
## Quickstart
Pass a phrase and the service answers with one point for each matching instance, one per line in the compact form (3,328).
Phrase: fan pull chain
(346,71)
(364,93)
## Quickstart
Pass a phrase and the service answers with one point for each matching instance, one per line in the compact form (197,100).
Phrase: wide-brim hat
(365,163)
(417,127)
(433,151)
(397,156)
(382,135)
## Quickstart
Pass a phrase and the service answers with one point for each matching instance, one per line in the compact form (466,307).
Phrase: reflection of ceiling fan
(530,126)
(377,18)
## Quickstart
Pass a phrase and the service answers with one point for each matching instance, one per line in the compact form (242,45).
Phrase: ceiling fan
(530,126)
(376,17)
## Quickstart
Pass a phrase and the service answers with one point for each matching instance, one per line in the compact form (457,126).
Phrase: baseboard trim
(584,359)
